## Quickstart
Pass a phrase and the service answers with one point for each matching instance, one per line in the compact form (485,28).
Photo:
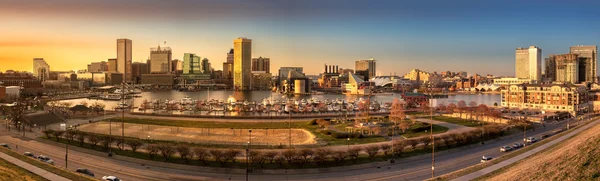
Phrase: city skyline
(400,35)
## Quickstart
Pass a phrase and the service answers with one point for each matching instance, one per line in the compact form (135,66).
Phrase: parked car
(45,159)
(4,145)
(486,159)
(505,148)
(85,171)
(29,154)
(111,178)
(530,140)
(517,145)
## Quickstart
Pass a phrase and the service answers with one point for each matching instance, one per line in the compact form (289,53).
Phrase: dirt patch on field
(205,135)
(576,159)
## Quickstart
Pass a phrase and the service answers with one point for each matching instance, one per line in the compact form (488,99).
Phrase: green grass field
(464,122)
(58,171)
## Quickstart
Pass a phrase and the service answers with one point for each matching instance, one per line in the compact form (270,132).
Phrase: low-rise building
(512,81)
(548,97)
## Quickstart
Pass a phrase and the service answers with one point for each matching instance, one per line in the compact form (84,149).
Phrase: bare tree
(397,115)
(81,137)
(184,152)
(94,139)
(58,133)
(152,150)
(289,155)
(321,155)
(339,156)
(134,144)
(257,157)
(120,143)
(270,155)
(166,150)
(48,132)
(398,148)
(219,156)
(106,140)
(461,107)
(354,152)
(231,154)
(305,155)
(202,154)
(372,151)
(386,148)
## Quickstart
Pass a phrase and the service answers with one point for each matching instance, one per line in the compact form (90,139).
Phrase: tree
(120,143)
(166,150)
(231,154)
(184,152)
(134,144)
(81,137)
(257,157)
(413,143)
(339,156)
(152,150)
(461,107)
(472,106)
(58,133)
(219,156)
(202,154)
(321,155)
(372,151)
(48,132)
(398,148)
(94,139)
(386,148)
(305,155)
(397,115)
(106,140)
(354,152)
(482,110)
(289,155)
(270,155)
(450,108)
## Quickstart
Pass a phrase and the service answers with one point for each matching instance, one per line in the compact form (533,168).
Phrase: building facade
(512,81)
(567,68)
(548,97)
(366,68)
(588,57)
(112,65)
(124,60)
(261,64)
(528,63)
(98,67)
(160,60)
(242,65)
(41,69)
(137,70)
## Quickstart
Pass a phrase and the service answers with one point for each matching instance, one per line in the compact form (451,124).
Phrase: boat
(122,105)
(186,100)
(111,97)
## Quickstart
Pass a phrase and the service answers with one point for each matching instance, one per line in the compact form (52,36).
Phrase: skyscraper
(366,68)
(228,66)
(191,64)
(567,67)
(261,64)
(41,69)
(160,59)
(124,58)
(528,63)
(587,55)
(112,65)
(242,67)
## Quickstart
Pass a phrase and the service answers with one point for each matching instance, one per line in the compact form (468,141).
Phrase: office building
(195,69)
(529,63)
(41,69)
(567,68)
(98,67)
(261,64)
(366,68)
(112,65)
(176,65)
(550,69)
(160,60)
(228,66)
(124,59)
(137,70)
(588,57)
(230,56)
(242,67)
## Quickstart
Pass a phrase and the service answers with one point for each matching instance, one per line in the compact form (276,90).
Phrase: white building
(528,63)
(41,69)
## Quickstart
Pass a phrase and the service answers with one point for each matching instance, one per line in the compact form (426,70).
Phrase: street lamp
(431,131)
(348,143)
(247,159)
(67,150)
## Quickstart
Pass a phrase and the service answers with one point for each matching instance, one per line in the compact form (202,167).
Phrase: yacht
(186,100)
(112,97)
(122,105)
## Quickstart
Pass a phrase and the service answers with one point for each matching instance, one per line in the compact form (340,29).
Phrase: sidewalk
(520,157)
(31,168)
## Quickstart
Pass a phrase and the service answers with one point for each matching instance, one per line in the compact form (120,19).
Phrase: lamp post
(290,127)
(431,131)
(67,150)
(348,143)
(247,163)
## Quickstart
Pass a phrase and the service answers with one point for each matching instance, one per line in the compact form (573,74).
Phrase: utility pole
(431,132)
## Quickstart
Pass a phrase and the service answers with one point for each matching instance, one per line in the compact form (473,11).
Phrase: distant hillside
(577,158)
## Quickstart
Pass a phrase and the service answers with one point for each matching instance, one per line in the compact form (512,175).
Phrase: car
(517,145)
(29,154)
(85,171)
(505,148)
(111,178)
(45,159)
(486,159)
(530,140)
(4,145)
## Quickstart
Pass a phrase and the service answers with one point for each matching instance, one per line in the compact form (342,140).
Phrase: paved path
(31,168)
(515,159)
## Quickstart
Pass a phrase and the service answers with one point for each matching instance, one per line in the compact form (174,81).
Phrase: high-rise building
(550,68)
(261,64)
(587,55)
(195,69)
(228,66)
(242,67)
(160,59)
(366,68)
(41,69)
(176,65)
(124,58)
(206,67)
(112,65)
(137,70)
(529,63)
(230,56)
(98,67)
(567,66)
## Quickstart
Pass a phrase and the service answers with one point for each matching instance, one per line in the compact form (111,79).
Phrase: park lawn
(9,171)
(50,168)
(411,133)
(464,122)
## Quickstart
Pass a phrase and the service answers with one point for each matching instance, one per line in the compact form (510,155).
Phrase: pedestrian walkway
(517,158)
(31,168)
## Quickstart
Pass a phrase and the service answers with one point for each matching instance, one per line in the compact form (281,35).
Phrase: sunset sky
(474,36)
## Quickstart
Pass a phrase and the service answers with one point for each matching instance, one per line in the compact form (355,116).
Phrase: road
(414,168)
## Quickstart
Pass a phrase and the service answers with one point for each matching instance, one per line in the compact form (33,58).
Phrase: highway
(417,168)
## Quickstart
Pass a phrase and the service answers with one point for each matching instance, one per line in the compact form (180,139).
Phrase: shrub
(231,154)
(94,139)
(357,135)
(48,132)
(325,132)
(339,135)
(312,122)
